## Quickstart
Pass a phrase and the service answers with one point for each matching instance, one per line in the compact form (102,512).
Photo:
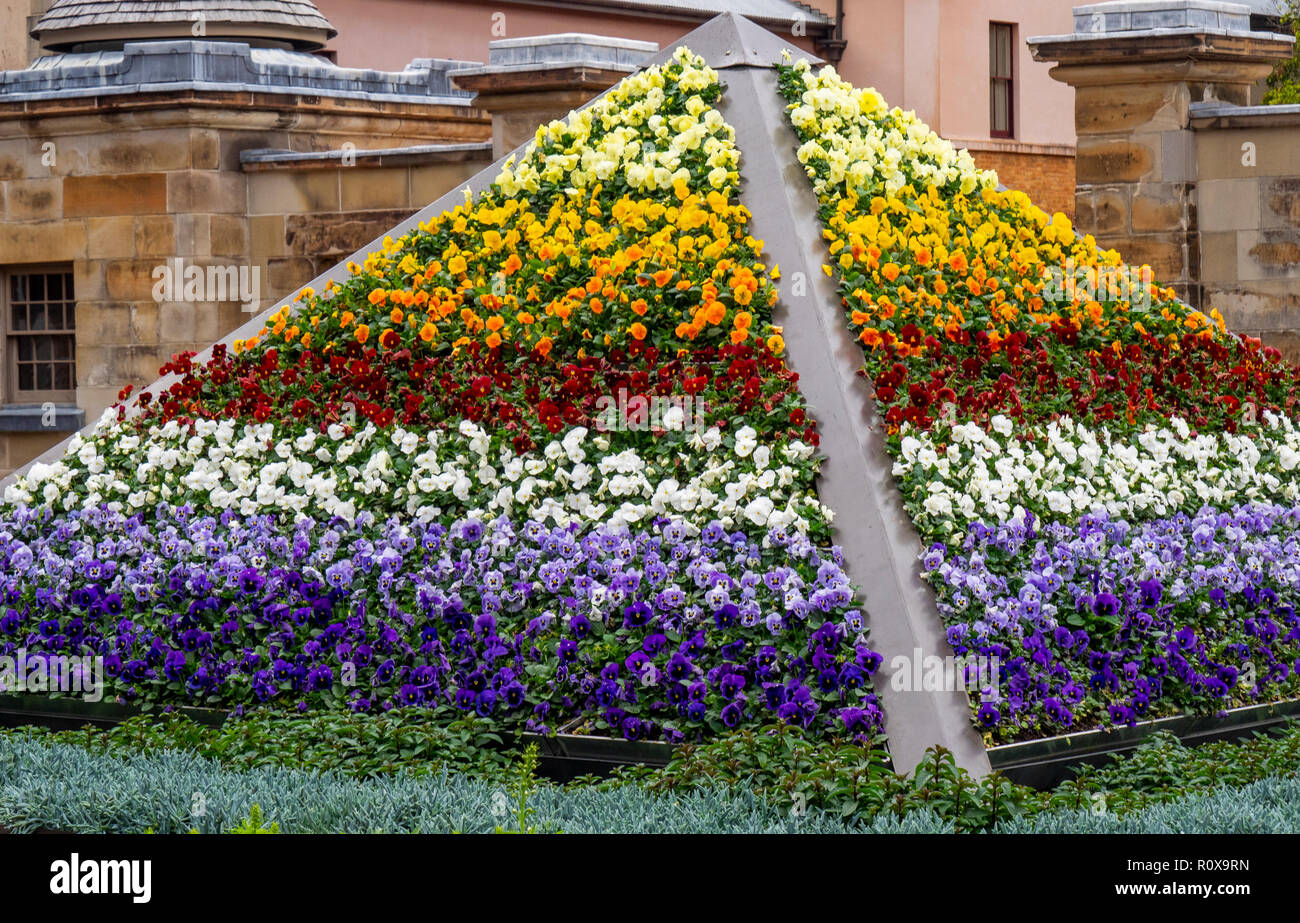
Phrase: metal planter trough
(564,756)
(1044,763)
(64,713)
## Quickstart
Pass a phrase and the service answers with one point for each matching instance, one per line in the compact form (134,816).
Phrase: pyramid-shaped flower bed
(1104,478)
(541,459)
(538,460)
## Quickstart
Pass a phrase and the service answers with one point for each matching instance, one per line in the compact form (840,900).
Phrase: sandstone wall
(1248,204)
(112,189)
(303,220)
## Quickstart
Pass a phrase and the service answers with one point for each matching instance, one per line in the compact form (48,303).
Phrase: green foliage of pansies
(354,745)
(843,778)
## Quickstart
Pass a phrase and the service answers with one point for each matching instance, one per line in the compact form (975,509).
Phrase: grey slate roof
(188,64)
(1262,7)
(77,14)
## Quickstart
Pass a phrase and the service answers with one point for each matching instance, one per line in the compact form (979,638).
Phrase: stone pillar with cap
(533,80)
(1137,66)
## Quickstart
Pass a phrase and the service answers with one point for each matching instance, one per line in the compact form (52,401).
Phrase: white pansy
(1064,470)
(759,510)
(466,469)
(746,441)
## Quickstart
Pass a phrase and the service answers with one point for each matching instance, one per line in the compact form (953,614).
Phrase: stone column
(1136,68)
(530,81)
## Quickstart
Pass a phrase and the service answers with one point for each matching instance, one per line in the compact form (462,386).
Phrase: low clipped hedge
(1266,806)
(47,785)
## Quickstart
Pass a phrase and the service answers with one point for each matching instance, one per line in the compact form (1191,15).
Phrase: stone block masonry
(110,185)
(1145,166)
(1249,209)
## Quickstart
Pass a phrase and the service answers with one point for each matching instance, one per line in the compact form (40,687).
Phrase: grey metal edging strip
(881,545)
(38,709)
(1079,746)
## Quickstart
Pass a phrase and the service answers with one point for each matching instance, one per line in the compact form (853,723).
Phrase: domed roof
(79,24)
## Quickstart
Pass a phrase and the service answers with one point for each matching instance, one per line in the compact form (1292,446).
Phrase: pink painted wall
(923,37)
(876,53)
(927,55)
(1044,108)
(387,34)
(932,56)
